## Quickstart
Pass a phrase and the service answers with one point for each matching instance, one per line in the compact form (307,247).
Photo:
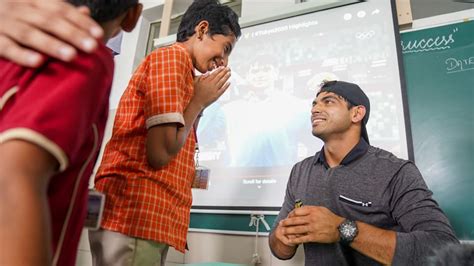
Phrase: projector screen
(253,135)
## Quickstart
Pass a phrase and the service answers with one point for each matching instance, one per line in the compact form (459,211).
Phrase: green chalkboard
(227,222)
(439,71)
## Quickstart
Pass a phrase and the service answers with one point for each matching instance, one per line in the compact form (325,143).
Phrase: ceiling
(428,8)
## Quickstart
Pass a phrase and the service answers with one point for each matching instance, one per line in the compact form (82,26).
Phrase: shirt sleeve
(423,224)
(288,203)
(56,106)
(166,87)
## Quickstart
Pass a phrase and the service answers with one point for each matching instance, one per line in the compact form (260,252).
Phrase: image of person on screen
(262,124)
(361,204)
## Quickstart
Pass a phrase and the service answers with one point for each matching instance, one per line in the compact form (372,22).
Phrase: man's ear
(358,113)
(201,29)
(131,18)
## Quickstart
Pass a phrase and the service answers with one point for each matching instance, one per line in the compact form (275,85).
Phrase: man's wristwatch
(347,231)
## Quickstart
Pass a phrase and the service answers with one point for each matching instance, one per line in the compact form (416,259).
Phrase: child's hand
(210,86)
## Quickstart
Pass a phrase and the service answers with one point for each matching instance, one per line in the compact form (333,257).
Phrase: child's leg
(112,248)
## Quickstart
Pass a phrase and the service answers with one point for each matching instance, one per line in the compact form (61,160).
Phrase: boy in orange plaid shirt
(148,165)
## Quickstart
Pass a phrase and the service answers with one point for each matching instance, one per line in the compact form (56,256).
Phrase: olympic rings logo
(365,35)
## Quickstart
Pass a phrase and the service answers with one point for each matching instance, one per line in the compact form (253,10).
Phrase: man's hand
(311,224)
(209,87)
(281,233)
(51,27)
(303,225)
(280,243)
(320,225)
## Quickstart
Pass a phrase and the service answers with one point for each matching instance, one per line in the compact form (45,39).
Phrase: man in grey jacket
(361,204)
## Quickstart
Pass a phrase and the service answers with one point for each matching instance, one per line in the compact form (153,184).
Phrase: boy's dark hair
(105,10)
(222,19)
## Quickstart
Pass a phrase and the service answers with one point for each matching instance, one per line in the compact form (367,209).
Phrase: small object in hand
(298,203)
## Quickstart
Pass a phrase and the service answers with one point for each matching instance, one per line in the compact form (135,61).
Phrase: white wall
(251,8)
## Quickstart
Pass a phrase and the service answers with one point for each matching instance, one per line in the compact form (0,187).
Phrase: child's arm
(60,122)
(25,170)
(164,141)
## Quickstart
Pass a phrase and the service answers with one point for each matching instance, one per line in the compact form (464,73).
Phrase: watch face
(348,231)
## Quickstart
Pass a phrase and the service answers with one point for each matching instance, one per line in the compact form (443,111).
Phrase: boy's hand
(209,87)
(52,27)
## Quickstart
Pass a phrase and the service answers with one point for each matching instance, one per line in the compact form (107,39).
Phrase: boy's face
(212,51)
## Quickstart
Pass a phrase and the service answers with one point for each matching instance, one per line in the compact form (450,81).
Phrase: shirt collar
(190,61)
(356,152)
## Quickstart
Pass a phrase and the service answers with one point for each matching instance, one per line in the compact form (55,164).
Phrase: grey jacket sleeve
(424,226)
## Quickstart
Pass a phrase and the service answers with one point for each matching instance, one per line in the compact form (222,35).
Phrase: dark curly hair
(222,19)
(105,10)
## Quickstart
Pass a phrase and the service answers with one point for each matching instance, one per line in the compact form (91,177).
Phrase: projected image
(261,126)
(260,123)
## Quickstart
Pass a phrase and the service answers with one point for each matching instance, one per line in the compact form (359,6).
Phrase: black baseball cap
(353,94)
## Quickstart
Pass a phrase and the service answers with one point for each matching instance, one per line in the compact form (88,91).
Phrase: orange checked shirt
(140,201)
